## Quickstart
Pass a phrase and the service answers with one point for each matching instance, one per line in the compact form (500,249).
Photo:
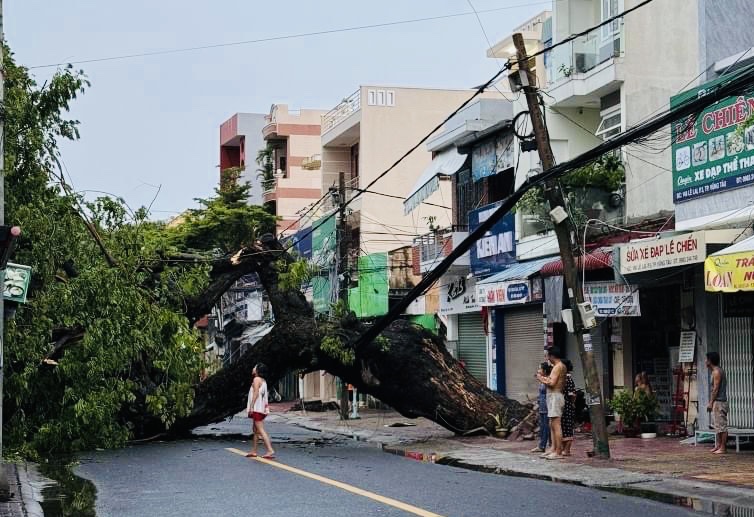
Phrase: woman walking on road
(257,407)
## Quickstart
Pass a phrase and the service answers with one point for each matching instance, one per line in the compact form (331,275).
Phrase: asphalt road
(202,477)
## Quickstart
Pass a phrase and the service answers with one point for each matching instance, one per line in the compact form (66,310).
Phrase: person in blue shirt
(544,424)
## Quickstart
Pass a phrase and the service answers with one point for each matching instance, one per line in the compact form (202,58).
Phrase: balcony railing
(342,111)
(434,246)
(584,53)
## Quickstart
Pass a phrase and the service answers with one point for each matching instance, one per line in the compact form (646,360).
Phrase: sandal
(251,455)
(269,456)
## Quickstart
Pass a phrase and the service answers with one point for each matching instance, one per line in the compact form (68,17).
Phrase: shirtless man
(718,402)
(555,401)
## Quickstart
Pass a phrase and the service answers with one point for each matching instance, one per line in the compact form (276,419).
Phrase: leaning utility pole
(342,236)
(554,196)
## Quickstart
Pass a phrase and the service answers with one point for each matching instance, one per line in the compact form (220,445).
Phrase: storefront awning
(731,269)
(600,258)
(446,163)
(518,271)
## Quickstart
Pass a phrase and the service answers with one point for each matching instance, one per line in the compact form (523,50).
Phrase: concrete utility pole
(554,197)
(343,239)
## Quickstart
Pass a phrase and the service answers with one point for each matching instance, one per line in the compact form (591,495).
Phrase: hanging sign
(611,299)
(686,349)
(17,279)
(679,250)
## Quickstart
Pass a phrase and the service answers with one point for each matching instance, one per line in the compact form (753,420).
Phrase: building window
(610,123)
(381,98)
(611,8)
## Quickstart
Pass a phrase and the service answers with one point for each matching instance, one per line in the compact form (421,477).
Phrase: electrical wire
(280,37)
(468,101)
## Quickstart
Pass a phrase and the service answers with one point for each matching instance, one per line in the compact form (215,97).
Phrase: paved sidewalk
(25,489)
(662,468)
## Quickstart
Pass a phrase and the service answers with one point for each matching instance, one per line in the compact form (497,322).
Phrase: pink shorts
(257,417)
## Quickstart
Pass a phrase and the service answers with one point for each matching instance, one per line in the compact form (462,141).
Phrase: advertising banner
(612,300)
(497,249)
(710,154)
(492,156)
(729,273)
(679,250)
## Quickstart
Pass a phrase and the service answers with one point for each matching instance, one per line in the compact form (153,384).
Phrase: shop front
(466,338)
(729,274)
(680,322)
(513,300)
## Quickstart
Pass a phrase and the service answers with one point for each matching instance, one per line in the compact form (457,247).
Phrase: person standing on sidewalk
(569,410)
(718,402)
(258,407)
(544,424)
(555,401)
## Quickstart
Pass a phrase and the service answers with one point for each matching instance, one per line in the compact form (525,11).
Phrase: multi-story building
(363,136)
(294,176)
(596,87)
(240,142)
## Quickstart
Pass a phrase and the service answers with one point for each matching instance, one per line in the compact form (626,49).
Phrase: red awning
(600,258)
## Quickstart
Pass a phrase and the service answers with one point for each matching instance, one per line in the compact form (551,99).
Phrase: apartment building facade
(292,138)
(240,142)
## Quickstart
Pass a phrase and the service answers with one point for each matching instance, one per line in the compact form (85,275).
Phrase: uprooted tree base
(407,368)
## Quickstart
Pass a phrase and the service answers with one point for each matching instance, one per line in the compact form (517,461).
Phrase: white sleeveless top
(260,405)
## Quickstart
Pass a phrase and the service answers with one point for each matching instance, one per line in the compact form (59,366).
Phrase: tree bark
(407,368)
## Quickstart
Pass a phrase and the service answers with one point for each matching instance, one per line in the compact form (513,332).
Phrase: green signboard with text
(16,286)
(710,154)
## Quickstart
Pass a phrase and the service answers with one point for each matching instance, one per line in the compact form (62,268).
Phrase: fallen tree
(406,367)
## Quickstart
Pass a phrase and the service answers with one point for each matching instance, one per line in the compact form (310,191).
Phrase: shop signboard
(648,255)
(323,258)
(301,243)
(687,346)
(504,293)
(710,154)
(458,295)
(729,273)
(17,279)
(610,299)
(496,250)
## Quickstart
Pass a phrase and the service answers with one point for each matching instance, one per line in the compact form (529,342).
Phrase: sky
(153,122)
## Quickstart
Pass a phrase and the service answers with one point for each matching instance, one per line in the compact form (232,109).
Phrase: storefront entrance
(655,338)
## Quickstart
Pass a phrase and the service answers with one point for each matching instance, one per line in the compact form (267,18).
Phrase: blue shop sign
(497,249)
(518,292)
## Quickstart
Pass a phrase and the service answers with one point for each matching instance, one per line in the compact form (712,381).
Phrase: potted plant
(634,408)
(502,426)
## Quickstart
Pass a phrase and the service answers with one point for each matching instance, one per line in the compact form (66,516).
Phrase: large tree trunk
(407,368)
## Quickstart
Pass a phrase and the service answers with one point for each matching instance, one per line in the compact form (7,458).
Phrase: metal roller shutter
(524,345)
(737,360)
(472,345)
